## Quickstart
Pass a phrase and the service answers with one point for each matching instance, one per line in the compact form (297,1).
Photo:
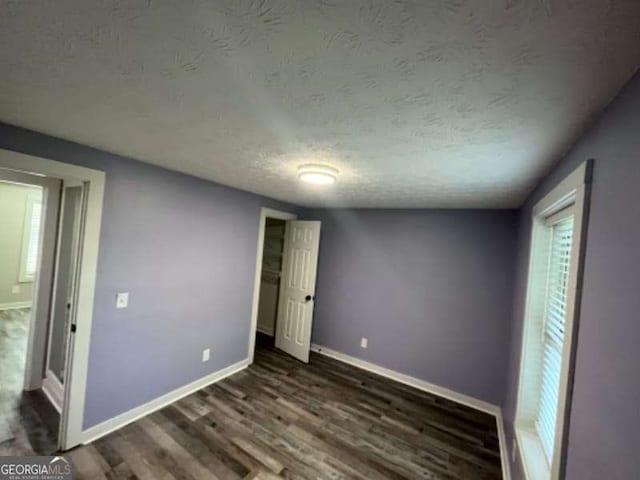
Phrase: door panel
(64,290)
(297,295)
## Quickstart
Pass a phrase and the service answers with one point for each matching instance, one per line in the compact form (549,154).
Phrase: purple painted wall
(604,438)
(439,288)
(185,249)
(430,289)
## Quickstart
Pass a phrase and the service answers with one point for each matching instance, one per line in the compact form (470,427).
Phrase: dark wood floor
(283,419)
(28,422)
(277,419)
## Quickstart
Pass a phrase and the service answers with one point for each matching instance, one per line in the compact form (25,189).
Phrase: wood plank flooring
(283,419)
(277,419)
(28,422)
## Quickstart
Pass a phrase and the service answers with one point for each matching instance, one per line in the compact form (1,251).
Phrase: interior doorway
(44,412)
(273,249)
(39,264)
(29,422)
(284,291)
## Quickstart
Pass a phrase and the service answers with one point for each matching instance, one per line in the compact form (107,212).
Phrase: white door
(64,289)
(297,288)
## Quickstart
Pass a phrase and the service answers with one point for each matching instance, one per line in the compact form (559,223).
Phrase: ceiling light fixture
(317,174)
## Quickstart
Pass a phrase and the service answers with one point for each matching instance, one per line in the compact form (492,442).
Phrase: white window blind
(34,237)
(554,332)
(31,238)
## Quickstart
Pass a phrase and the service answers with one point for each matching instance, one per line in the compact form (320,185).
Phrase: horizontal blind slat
(34,237)
(553,334)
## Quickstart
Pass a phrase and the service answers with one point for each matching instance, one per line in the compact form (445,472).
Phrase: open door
(297,288)
(64,290)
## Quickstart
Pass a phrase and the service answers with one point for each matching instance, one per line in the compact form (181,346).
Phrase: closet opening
(284,289)
(271,273)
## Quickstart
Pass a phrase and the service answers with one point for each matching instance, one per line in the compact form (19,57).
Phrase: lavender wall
(438,289)
(604,435)
(185,249)
(431,290)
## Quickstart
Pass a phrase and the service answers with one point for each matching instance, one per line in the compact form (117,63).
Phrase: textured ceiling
(439,103)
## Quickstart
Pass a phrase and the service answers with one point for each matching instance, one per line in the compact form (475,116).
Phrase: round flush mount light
(317,174)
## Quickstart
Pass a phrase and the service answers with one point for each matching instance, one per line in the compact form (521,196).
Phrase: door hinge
(73,328)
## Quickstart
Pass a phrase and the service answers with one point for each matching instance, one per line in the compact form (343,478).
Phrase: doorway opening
(30,416)
(38,258)
(43,352)
(284,290)
(28,421)
(272,252)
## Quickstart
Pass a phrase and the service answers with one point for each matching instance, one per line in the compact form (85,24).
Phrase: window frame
(573,192)
(33,198)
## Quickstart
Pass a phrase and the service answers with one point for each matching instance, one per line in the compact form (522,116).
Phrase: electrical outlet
(364,343)
(206,354)
(16,289)
(122,300)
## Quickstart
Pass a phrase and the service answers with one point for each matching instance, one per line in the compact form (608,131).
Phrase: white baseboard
(93,433)
(266,331)
(409,380)
(461,398)
(54,390)
(15,305)
(113,424)
(504,450)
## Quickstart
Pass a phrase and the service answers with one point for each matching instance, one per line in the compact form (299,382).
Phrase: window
(550,317)
(31,237)
(553,331)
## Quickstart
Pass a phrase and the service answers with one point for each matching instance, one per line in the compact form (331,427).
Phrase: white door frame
(71,425)
(264,214)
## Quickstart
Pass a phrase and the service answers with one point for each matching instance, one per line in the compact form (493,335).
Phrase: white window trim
(573,192)
(32,199)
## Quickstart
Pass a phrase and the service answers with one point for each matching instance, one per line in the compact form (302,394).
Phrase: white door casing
(297,288)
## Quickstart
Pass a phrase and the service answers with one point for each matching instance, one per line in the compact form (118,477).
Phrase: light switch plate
(364,343)
(16,289)
(206,354)
(122,300)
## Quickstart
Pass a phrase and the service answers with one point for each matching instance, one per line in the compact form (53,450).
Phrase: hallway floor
(28,422)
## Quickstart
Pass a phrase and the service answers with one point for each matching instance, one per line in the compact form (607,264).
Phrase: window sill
(534,462)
